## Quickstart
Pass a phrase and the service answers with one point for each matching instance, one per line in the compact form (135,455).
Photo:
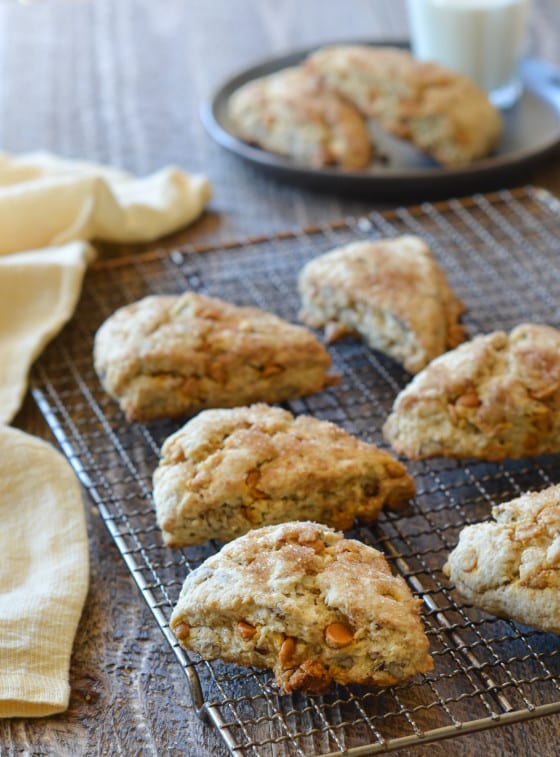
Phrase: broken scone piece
(169,356)
(302,600)
(510,567)
(227,471)
(290,114)
(390,292)
(495,397)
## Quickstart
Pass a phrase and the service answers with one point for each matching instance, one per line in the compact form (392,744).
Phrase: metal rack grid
(501,253)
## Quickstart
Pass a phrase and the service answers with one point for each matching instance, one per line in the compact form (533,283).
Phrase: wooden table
(121,83)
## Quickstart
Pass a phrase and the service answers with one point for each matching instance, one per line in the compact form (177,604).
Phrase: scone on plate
(510,566)
(495,397)
(302,600)
(390,292)
(441,111)
(169,356)
(229,470)
(290,114)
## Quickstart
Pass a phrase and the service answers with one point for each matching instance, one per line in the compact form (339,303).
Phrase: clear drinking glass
(483,39)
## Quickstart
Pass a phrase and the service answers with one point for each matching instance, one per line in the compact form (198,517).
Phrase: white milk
(484,39)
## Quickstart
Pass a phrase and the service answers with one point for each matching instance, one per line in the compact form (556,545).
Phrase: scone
(510,567)
(444,113)
(169,356)
(227,471)
(390,292)
(289,113)
(302,600)
(495,397)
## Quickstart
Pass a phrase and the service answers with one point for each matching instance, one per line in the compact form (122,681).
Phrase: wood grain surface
(121,83)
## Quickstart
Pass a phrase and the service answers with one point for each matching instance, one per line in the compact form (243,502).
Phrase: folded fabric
(38,294)
(44,573)
(49,209)
(46,200)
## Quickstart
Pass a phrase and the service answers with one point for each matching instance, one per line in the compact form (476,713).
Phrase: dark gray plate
(531,131)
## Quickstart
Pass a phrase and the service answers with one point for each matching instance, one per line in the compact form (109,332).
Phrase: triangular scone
(169,356)
(227,471)
(510,567)
(441,111)
(390,292)
(495,397)
(304,601)
(289,113)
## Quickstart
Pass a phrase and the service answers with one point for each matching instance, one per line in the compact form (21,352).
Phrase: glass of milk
(483,39)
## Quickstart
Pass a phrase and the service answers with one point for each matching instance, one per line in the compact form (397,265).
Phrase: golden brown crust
(289,113)
(291,583)
(441,111)
(495,397)
(227,471)
(510,567)
(169,356)
(391,292)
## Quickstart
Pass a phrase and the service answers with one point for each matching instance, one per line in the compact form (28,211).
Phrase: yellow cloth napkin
(46,200)
(38,294)
(44,573)
(49,209)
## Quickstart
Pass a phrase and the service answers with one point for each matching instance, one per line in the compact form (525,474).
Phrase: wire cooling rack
(501,253)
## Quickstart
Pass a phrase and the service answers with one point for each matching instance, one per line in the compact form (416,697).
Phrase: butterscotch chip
(227,471)
(289,113)
(443,112)
(390,292)
(246,630)
(510,566)
(169,356)
(287,650)
(288,591)
(516,381)
(181,631)
(338,635)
